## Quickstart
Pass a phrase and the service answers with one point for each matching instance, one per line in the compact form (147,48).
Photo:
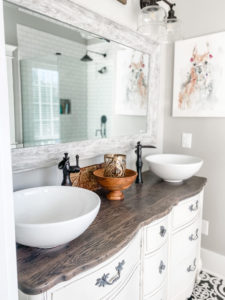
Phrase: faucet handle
(75,169)
(61,164)
(77,160)
(66,157)
(138,144)
(149,146)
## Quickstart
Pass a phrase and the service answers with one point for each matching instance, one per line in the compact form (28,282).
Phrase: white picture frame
(199,77)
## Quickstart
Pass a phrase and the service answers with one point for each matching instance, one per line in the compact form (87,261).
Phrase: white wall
(200,17)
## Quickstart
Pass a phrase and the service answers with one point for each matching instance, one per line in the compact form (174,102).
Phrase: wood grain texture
(116,224)
(85,178)
(115,184)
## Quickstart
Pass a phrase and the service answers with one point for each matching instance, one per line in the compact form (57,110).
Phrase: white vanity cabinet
(185,262)
(155,256)
(160,263)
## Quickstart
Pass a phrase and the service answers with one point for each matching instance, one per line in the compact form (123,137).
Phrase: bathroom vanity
(145,247)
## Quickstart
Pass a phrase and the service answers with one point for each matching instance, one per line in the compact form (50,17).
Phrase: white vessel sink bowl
(174,167)
(47,217)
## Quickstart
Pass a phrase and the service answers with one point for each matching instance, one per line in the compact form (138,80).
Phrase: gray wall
(198,18)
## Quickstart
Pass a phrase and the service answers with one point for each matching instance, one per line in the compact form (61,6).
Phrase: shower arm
(103,54)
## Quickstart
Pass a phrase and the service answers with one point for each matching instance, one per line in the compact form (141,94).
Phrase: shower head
(86,58)
(103,70)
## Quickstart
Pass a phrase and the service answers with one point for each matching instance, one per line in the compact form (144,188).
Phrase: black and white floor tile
(209,288)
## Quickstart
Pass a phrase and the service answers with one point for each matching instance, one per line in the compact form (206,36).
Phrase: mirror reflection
(68,85)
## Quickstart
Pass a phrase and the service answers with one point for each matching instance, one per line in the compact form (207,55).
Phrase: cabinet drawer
(155,270)
(130,290)
(104,279)
(155,235)
(186,240)
(185,211)
(160,295)
(183,274)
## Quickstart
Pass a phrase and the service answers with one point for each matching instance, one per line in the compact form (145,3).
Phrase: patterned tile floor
(209,288)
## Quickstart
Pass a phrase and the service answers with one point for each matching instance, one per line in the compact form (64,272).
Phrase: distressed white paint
(9,57)
(8,274)
(69,12)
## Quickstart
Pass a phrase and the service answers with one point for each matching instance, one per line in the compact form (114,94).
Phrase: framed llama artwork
(132,74)
(199,77)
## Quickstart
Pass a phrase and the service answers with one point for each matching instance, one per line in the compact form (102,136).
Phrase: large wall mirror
(67,84)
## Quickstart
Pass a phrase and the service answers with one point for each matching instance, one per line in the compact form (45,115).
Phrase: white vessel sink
(47,217)
(174,167)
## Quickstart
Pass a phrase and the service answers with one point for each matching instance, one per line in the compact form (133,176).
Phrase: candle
(115,165)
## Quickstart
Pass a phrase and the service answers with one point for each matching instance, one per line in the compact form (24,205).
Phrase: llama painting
(199,76)
(199,81)
(137,82)
(132,82)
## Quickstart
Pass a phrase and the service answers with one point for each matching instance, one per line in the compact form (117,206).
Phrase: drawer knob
(162,231)
(194,207)
(192,267)
(162,267)
(103,281)
(194,237)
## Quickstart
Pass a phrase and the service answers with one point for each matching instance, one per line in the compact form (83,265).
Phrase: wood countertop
(116,224)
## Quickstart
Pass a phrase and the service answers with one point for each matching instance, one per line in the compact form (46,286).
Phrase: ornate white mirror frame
(68,12)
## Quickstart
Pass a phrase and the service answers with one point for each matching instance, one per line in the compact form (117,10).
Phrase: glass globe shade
(173,29)
(152,22)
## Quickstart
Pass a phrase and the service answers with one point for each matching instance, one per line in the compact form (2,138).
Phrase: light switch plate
(205,227)
(187,140)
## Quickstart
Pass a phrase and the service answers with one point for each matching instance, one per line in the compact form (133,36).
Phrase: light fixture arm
(171,5)
(171,12)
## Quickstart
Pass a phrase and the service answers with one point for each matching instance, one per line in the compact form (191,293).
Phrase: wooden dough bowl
(115,185)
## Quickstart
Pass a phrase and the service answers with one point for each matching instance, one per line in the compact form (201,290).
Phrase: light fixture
(153,21)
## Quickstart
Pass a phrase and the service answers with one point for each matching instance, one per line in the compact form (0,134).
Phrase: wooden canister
(115,165)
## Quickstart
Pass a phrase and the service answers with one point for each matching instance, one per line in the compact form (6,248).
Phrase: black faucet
(139,163)
(67,169)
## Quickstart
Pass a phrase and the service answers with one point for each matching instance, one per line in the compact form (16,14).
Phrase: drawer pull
(162,231)
(194,237)
(194,207)
(162,267)
(192,268)
(103,281)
